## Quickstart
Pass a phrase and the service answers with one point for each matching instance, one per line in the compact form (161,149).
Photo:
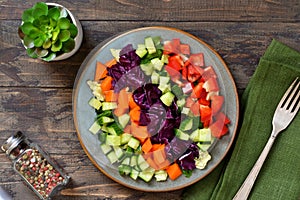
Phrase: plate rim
(102,45)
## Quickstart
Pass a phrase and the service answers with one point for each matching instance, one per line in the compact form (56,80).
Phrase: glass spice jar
(34,165)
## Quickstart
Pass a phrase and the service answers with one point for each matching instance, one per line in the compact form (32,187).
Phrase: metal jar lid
(12,142)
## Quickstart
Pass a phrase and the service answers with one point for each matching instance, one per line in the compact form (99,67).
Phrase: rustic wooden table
(36,97)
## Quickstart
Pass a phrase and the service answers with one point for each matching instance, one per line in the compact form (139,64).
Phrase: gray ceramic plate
(84,115)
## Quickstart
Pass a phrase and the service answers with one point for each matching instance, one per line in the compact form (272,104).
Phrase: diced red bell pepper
(193,73)
(205,113)
(175,62)
(211,85)
(216,103)
(197,59)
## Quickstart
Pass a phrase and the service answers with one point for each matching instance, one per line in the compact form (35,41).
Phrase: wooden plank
(240,45)
(170,10)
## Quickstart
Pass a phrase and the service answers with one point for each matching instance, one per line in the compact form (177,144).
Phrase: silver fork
(284,114)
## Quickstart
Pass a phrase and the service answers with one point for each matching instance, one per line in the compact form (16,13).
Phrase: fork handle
(245,189)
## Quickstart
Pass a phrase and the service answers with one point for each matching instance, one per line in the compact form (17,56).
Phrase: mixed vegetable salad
(158,109)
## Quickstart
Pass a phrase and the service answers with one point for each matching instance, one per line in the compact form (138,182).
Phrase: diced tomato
(185,49)
(211,85)
(216,103)
(209,72)
(175,62)
(174,74)
(197,59)
(195,109)
(218,128)
(168,47)
(203,101)
(193,73)
(223,117)
(205,113)
(189,102)
(176,45)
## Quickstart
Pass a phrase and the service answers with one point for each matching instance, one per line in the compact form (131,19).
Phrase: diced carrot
(152,163)
(159,156)
(100,71)
(120,111)
(135,114)
(127,129)
(132,103)
(155,147)
(140,132)
(164,164)
(110,95)
(123,99)
(147,146)
(174,171)
(106,84)
(111,63)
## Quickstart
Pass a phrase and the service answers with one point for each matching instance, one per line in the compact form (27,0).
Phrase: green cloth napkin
(279,177)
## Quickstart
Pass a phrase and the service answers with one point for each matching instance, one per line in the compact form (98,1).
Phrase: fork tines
(292,97)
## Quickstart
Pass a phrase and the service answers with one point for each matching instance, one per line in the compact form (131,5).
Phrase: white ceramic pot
(78,38)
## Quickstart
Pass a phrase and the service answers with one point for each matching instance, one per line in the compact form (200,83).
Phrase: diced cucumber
(109,105)
(142,163)
(164,88)
(185,111)
(112,157)
(124,169)
(203,146)
(114,129)
(182,135)
(115,53)
(102,136)
(161,175)
(96,89)
(125,137)
(119,152)
(123,120)
(150,45)
(186,124)
(141,50)
(164,80)
(95,103)
(180,102)
(134,174)
(133,143)
(165,58)
(147,174)
(177,91)
(147,68)
(167,98)
(133,160)
(126,161)
(105,120)
(157,64)
(95,128)
(195,135)
(113,140)
(155,78)
(205,135)
(105,148)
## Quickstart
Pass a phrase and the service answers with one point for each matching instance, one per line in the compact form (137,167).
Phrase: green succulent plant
(47,31)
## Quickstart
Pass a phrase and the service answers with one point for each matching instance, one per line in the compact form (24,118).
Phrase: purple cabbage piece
(187,160)
(128,66)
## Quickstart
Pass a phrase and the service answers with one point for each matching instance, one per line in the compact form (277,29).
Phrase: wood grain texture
(170,10)
(36,97)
